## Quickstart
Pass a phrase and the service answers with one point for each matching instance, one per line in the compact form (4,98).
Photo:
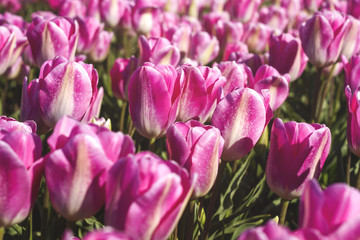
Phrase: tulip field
(179,120)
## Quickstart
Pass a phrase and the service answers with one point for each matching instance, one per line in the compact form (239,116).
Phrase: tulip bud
(203,48)
(76,168)
(154,93)
(275,17)
(352,72)
(353,123)
(51,38)
(197,148)
(270,230)
(322,37)
(199,93)
(20,170)
(334,212)
(144,188)
(11,46)
(113,11)
(120,75)
(72,8)
(287,55)
(257,36)
(241,118)
(297,154)
(243,10)
(157,51)
(267,77)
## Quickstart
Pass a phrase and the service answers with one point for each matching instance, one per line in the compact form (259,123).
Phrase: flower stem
(213,198)
(122,117)
(283,210)
(2,233)
(358,180)
(190,220)
(152,144)
(348,167)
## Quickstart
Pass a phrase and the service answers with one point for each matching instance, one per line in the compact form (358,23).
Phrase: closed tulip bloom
(154,93)
(241,118)
(64,88)
(51,38)
(287,56)
(113,11)
(199,93)
(352,72)
(145,189)
(257,36)
(334,211)
(120,75)
(203,48)
(197,148)
(274,16)
(243,10)
(158,51)
(322,37)
(297,154)
(351,46)
(20,170)
(12,43)
(267,77)
(76,168)
(72,8)
(353,123)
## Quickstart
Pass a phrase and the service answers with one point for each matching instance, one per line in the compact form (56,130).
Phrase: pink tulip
(197,148)
(200,91)
(322,37)
(147,16)
(243,10)
(354,8)
(144,188)
(158,51)
(93,40)
(352,72)
(203,48)
(267,232)
(72,8)
(257,36)
(12,43)
(237,76)
(312,5)
(351,46)
(241,118)
(287,55)
(297,154)
(333,211)
(107,233)
(275,17)
(120,75)
(267,77)
(76,168)
(113,11)
(64,88)
(51,38)
(20,170)
(154,93)
(353,123)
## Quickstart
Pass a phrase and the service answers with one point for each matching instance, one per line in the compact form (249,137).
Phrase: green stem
(321,99)
(190,220)
(152,144)
(2,233)
(358,180)
(348,165)
(122,117)
(45,214)
(31,225)
(213,198)
(283,210)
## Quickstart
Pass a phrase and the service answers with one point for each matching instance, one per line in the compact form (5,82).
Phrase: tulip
(197,148)
(287,55)
(297,154)
(64,88)
(107,233)
(267,77)
(353,123)
(113,11)
(51,38)
(76,168)
(275,17)
(237,76)
(312,5)
(257,36)
(11,45)
(147,16)
(267,232)
(93,40)
(120,75)
(333,211)
(354,8)
(322,37)
(144,188)
(199,93)
(157,51)
(154,93)
(241,118)
(72,8)
(203,48)
(20,170)
(243,10)
(351,44)
(352,72)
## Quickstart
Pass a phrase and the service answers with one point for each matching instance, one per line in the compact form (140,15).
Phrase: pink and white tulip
(197,148)
(241,118)
(297,154)
(145,188)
